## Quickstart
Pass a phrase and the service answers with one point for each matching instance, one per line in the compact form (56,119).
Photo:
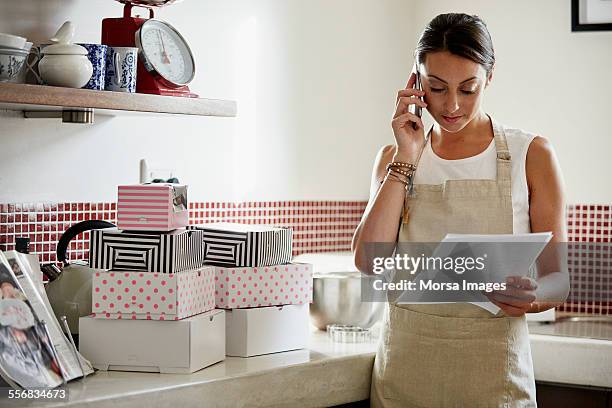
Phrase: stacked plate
(14,51)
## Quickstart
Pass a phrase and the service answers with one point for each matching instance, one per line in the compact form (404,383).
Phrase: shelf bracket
(83,116)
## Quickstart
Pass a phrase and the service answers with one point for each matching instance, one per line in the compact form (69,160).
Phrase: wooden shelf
(40,98)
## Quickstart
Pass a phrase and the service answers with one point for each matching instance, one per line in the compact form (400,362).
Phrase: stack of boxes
(153,305)
(176,298)
(266,297)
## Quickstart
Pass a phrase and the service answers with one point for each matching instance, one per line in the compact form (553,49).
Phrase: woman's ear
(490,76)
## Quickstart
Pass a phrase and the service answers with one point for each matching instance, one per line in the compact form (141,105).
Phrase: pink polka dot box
(244,287)
(151,295)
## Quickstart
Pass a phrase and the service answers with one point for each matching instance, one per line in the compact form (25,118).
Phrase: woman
(470,175)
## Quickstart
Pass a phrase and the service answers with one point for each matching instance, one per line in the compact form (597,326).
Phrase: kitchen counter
(325,374)
(572,352)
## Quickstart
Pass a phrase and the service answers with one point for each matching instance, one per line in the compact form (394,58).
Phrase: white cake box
(181,346)
(264,330)
(152,207)
(152,295)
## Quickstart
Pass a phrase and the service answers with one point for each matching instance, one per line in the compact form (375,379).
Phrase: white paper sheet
(502,263)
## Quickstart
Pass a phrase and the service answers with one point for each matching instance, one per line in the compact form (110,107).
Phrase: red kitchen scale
(165,64)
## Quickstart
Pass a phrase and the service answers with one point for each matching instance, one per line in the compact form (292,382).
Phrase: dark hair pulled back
(460,34)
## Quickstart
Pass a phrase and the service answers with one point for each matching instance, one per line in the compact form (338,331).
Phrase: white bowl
(12,41)
(13,51)
(11,65)
(20,78)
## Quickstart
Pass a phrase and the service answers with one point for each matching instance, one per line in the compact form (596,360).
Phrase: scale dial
(165,53)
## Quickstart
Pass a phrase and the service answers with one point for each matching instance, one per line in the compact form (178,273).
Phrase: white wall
(315,82)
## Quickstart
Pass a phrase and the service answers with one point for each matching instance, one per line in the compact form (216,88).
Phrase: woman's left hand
(518,296)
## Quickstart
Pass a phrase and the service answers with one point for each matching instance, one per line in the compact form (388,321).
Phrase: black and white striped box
(163,252)
(231,244)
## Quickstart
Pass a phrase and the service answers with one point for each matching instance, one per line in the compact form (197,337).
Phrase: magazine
(37,296)
(62,342)
(27,355)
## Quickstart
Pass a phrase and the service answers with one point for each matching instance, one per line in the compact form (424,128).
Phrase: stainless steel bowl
(337,292)
(337,300)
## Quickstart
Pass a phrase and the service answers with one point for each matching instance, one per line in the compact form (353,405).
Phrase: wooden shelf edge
(27,97)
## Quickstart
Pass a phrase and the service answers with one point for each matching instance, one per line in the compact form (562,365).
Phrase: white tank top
(432,169)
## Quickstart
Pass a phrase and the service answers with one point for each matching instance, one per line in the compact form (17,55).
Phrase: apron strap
(504,160)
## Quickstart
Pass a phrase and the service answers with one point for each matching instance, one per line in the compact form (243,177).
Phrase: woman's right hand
(408,140)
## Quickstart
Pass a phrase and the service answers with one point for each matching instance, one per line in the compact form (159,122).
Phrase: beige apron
(455,354)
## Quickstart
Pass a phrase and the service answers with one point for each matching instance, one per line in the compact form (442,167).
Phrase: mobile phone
(416,109)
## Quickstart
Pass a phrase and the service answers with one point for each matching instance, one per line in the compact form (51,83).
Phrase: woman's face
(453,88)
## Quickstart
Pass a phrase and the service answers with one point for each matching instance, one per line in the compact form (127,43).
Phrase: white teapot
(63,63)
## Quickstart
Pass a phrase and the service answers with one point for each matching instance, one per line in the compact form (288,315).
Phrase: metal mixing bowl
(337,292)
(337,300)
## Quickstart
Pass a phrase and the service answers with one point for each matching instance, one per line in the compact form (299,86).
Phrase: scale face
(165,53)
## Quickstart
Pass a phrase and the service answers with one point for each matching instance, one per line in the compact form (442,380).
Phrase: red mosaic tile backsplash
(589,230)
(318,226)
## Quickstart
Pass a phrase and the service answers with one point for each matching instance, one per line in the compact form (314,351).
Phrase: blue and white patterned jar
(121,64)
(97,55)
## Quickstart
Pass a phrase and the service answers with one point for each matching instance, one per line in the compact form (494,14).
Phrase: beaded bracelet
(402,164)
(410,180)
(409,166)
(394,177)
(408,174)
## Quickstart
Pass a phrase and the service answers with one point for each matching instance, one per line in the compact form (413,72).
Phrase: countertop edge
(572,360)
(330,381)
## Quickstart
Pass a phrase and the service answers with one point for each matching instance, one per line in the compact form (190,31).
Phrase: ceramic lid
(64,49)
(63,42)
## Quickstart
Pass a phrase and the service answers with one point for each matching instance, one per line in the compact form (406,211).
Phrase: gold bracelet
(409,166)
(393,177)
(405,177)
(402,164)
(408,174)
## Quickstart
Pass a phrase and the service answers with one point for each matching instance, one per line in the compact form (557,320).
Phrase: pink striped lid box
(152,207)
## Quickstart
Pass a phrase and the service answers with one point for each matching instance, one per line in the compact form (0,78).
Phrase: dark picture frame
(577,26)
